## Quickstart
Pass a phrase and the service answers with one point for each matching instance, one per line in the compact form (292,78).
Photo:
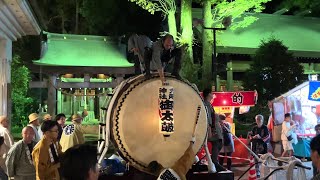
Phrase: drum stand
(103,140)
(102,130)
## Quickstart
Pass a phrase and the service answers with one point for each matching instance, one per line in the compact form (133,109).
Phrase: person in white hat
(34,123)
(72,134)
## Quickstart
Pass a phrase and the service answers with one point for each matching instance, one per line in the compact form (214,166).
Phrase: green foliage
(239,10)
(151,6)
(273,72)
(146,5)
(302,5)
(20,76)
(236,9)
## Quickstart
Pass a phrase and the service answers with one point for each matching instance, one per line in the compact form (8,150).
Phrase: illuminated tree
(167,7)
(237,9)
(189,69)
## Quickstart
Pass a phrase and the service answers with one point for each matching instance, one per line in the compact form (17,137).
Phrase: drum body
(133,113)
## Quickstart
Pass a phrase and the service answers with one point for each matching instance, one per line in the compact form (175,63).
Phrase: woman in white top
(286,136)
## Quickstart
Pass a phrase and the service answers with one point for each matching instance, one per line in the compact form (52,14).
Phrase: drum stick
(196,122)
(211,166)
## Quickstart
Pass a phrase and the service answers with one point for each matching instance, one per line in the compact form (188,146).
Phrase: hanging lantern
(101,76)
(68,76)
(166,116)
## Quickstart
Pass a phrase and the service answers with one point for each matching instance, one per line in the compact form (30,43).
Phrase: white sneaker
(211,168)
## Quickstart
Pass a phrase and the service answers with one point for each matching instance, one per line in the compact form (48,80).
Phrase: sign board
(234,99)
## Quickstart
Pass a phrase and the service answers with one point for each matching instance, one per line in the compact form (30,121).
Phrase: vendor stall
(304,105)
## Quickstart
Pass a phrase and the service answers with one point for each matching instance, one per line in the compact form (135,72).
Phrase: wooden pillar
(52,95)
(119,79)
(218,88)
(229,76)
(59,102)
(5,77)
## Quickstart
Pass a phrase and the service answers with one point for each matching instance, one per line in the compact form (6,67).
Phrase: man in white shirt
(286,136)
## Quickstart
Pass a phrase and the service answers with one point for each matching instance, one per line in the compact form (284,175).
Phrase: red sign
(234,99)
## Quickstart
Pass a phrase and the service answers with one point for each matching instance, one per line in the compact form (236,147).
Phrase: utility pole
(214,59)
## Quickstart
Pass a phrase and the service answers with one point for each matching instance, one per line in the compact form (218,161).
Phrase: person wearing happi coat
(46,154)
(34,123)
(73,134)
(19,159)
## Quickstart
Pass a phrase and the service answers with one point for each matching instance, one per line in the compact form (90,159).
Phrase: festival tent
(305,112)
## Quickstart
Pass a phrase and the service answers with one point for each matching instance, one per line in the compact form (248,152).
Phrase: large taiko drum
(133,113)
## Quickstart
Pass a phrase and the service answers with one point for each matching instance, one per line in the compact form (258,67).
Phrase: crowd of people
(47,151)
(53,150)
(219,134)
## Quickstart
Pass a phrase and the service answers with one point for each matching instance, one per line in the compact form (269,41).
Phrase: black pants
(229,161)
(165,58)
(135,59)
(216,147)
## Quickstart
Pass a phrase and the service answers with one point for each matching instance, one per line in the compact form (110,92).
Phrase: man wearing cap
(72,134)
(46,117)
(19,160)
(34,123)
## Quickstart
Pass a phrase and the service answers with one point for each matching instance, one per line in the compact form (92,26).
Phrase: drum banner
(234,99)
(166,119)
(314,91)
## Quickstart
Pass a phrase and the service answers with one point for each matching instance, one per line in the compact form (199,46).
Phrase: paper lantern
(68,76)
(166,116)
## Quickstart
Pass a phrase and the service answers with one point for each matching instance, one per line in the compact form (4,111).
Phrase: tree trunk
(172,23)
(62,21)
(188,68)
(207,43)
(76,30)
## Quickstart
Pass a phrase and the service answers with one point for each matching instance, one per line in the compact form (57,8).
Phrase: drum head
(134,122)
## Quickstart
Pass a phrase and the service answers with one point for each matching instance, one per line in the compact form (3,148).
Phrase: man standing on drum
(161,55)
(136,47)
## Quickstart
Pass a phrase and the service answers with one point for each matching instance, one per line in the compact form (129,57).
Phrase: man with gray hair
(259,137)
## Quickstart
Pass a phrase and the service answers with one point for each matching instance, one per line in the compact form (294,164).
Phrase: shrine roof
(81,51)
(299,34)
